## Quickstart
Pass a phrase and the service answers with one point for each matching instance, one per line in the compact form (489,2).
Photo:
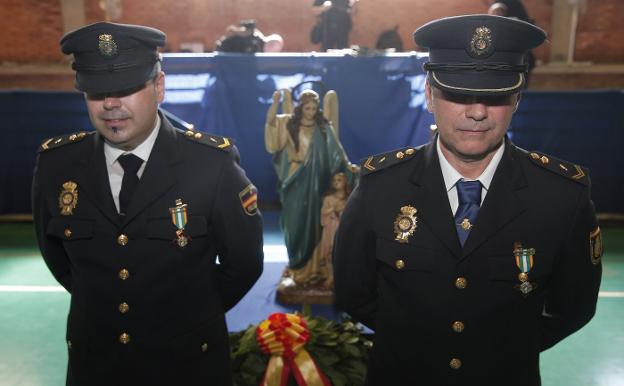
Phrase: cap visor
(113,81)
(478,83)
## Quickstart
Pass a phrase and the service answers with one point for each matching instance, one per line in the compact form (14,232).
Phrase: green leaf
(337,378)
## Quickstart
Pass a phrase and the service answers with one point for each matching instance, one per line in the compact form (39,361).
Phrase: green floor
(32,324)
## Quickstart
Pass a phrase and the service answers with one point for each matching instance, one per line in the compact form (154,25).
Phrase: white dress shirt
(116,172)
(451,176)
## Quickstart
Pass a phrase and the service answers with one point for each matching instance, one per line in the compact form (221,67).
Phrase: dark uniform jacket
(145,311)
(445,315)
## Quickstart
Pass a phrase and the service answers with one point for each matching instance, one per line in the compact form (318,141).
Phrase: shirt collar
(142,151)
(451,176)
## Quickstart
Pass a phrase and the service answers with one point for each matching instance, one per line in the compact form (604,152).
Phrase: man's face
(126,119)
(470,128)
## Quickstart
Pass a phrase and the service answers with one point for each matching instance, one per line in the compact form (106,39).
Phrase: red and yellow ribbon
(283,336)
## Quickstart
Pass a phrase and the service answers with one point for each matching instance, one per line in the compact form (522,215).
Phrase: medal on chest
(524,262)
(180,218)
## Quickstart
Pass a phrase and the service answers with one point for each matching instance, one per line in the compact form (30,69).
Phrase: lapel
(434,208)
(159,174)
(502,204)
(96,183)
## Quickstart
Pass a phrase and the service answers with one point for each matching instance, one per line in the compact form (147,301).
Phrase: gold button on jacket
(455,363)
(122,239)
(124,274)
(458,326)
(124,338)
(124,307)
(461,282)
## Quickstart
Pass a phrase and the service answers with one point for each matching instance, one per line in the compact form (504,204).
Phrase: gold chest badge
(405,223)
(68,199)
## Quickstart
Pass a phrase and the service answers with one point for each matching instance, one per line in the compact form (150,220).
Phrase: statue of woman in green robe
(306,154)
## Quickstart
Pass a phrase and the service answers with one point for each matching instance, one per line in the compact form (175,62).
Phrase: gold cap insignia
(107,45)
(481,41)
(68,199)
(405,223)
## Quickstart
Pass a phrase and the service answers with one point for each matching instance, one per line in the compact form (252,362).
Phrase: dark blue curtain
(381,100)
(381,108)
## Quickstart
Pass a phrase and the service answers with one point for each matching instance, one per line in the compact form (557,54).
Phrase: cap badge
(107,45)
(405,223)
(68,199)
(179,217)
(481,41)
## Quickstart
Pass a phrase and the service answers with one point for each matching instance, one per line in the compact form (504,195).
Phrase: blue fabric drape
(381,108)
(381,100)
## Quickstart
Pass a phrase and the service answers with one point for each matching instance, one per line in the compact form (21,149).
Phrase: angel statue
(306,155)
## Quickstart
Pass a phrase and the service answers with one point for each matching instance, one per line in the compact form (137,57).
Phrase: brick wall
(31,28)
(30,31)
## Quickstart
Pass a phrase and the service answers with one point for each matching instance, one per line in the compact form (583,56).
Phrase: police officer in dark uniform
(130,220)
(468,256)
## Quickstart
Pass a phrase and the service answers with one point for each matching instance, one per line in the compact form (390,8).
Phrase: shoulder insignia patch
(55,142)
(596,248)
(563,168)
(216,141)
(249,200)
(382,161)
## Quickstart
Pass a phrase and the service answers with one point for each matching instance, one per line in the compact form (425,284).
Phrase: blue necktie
(469,195)
(131,165)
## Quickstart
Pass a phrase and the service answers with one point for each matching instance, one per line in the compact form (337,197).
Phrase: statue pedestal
(289,292)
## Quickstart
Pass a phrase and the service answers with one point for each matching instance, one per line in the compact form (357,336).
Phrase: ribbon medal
(524,261)
(68,199)
(179,218)
(405,223)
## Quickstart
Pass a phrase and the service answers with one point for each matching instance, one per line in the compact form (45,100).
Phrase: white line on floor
(275,253)
(611,294)
(31,288)
(58,288)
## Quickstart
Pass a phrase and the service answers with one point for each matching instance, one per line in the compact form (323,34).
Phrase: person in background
(244,38)
(515,9)
(130,220)
(468,256)
(333,25)
(390,40)
(273,43)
